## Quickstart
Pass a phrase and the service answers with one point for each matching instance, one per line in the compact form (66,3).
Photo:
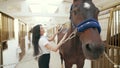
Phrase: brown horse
(87,43)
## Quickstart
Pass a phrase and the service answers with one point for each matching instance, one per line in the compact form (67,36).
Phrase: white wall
(104,25)
(87,63)
(26,41)
(11,55)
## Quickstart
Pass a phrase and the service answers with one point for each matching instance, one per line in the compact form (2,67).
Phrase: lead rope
(115,65)
(72,35)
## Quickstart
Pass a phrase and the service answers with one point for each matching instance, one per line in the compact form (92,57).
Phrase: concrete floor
(28,61)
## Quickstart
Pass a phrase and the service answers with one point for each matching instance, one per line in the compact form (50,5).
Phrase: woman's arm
(55,48)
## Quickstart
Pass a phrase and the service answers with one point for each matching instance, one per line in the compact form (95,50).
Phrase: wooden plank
(107,63)
(117,56)
(0,27)
(1,55)
(112,56)
(116,4)
(119,28)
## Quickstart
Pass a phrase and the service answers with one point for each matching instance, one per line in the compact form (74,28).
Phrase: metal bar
(115,29)
(106,61)
(117,56)
(109,46)
(112,56)
(109,27)
(112,27)
(103,63)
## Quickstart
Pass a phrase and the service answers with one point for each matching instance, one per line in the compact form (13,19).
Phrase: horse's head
(84,16)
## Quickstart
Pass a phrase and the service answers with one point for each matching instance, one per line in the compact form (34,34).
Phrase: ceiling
(21,9)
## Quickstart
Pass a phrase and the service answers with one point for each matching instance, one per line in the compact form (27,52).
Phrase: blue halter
(89,23)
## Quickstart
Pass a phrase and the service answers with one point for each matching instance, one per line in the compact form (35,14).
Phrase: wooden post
(1,55)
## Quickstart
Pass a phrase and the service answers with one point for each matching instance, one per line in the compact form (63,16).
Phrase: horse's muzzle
(93,51)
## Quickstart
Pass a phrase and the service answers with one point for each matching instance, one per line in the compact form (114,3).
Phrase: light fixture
(42,19)
(43,6)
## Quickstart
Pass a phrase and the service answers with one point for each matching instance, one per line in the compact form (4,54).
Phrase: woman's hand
(56,32)
(55,48)
(58,28)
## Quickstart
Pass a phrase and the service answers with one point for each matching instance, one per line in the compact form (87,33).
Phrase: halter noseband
(89,23)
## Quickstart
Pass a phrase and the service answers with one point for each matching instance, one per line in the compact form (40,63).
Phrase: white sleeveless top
(42,42)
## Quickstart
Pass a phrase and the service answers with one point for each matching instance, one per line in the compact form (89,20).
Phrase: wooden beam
(114,5)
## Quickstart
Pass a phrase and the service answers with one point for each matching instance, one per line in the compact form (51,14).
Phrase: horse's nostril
(96,48)
(88,47)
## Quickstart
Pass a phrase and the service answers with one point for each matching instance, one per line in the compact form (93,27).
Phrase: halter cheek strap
(90,23)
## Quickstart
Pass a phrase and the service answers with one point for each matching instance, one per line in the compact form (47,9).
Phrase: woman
(42,46)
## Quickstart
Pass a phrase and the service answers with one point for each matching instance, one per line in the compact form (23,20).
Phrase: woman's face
(42,31)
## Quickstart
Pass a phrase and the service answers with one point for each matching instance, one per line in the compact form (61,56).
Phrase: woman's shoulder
(43,38)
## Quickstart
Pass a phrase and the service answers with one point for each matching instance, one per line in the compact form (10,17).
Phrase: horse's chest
(71,51)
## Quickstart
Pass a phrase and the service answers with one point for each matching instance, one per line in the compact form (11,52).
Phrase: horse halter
(89,23)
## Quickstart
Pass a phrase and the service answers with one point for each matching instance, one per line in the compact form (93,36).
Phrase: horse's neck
(76,38)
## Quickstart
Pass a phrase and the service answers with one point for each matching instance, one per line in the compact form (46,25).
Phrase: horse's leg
(61,60)
(80,64)
(62,63)
(68,65)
